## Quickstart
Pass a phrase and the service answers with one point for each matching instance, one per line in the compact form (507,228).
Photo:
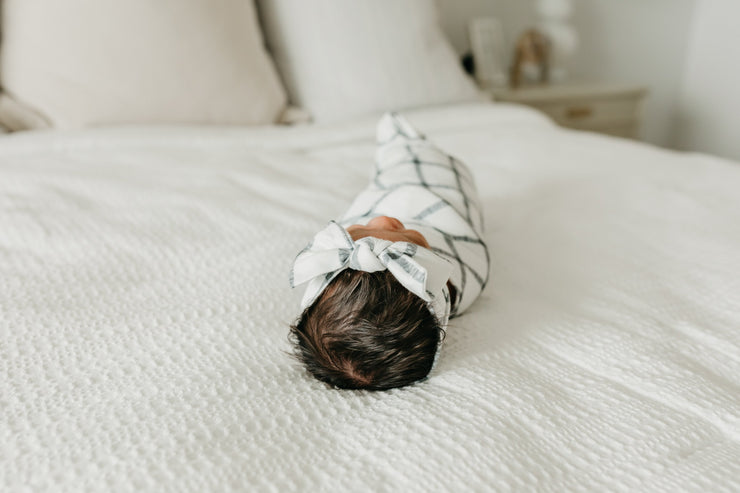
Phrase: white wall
(633,41)
(637,41)
(709,117)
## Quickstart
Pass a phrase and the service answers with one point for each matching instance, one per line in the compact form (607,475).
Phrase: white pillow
(341,59)
(91,62)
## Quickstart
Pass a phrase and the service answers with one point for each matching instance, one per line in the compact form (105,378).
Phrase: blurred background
(685,52)
(663,71)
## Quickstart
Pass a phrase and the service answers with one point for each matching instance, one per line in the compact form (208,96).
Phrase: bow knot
(364,257)
(333,250)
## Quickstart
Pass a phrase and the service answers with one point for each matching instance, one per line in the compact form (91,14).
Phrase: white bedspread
(144,305)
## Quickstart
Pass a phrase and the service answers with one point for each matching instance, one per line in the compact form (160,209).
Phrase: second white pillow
(342,59)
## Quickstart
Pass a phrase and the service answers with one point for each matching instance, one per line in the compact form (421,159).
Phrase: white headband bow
(333,250)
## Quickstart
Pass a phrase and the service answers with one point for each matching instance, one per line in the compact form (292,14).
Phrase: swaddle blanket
(419,184)
(432,192)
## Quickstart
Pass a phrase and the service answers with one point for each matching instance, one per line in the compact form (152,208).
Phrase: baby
(385,279)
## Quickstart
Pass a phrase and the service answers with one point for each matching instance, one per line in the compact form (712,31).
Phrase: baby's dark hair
(366,331)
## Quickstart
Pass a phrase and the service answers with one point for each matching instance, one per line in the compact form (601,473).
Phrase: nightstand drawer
(588,114)
(613,110)
(627,129)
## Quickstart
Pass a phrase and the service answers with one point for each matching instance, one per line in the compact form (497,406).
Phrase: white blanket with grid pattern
(144,309)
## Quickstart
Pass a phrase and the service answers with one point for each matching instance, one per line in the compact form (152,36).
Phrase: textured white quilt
(144,305)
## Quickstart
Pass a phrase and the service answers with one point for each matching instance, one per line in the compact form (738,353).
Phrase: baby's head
(367,331)
(373,326)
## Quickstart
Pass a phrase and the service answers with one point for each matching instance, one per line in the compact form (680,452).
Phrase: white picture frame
(489,54)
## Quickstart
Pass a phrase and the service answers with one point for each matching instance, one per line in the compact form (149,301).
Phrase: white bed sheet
(144,307)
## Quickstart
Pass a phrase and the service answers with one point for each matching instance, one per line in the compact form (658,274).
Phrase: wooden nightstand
(610,109)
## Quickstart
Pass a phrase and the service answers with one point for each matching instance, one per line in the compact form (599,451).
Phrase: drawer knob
(576,112)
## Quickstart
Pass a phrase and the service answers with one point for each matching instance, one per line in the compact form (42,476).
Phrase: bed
(145,306)
(152,206)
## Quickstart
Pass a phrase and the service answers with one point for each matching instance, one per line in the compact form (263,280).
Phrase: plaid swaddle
(425,189)
(432,192)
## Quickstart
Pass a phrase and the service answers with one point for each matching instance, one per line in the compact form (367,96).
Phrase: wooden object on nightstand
(610,109)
